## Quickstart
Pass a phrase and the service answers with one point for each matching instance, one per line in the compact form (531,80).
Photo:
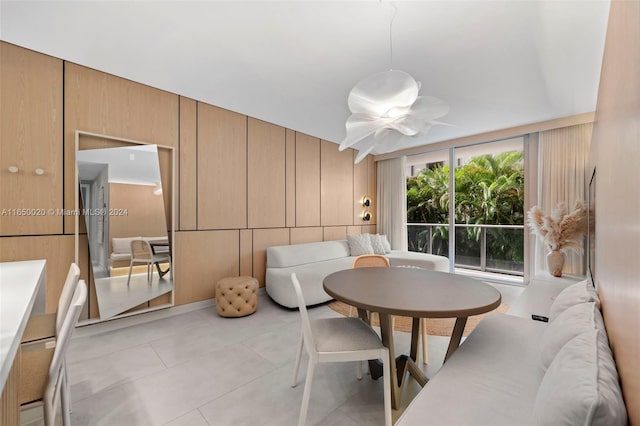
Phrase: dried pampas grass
(560,230)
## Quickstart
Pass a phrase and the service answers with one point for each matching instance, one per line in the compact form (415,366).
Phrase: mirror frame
(171,234)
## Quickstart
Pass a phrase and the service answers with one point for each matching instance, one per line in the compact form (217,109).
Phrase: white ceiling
(134,165)
(498,64)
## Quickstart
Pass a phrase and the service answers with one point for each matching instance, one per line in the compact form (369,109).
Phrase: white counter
(22,292)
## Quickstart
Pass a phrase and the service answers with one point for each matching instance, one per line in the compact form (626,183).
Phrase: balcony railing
(487,248)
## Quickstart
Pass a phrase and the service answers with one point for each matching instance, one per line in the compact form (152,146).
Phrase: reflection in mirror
(124,212)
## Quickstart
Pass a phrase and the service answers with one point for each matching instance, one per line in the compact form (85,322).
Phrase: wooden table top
(411,292)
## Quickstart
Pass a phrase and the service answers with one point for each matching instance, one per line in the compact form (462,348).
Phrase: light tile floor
(197,368)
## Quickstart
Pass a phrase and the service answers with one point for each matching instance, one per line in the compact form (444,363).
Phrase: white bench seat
(492,379)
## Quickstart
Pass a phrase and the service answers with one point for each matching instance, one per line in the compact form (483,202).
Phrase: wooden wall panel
(307,180)
(306,235)
(360,189)
(369,229)
(263,238)
(266,204)
(58,250)
(31,135)
(372,187)
(222,168)
(101,103)
(201,259)
(332,233)
(355,229)
(336,170)
(10,398)
(188,165)
(246,252)
(145,210)
(616,154)
(290,172)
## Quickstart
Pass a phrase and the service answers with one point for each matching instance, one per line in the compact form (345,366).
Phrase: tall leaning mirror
(126,206)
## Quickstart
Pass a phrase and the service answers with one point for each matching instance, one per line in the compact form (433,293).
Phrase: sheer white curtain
(562,161)
(392,201)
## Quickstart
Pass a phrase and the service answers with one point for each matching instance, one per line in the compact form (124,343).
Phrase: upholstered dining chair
(337,340)
(141,253)
(423,326)
(370,261)
(56,391)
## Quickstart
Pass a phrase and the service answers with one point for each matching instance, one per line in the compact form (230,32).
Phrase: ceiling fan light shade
(386,109)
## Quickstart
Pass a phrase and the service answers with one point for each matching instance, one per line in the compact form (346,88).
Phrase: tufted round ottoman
(236,296)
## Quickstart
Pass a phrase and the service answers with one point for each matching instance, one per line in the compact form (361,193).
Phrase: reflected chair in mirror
(423,326)
(141,253)
(337,340)
(370,261)
(55,391)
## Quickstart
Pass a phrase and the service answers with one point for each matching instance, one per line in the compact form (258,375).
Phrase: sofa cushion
(385,242)
(300,254)
(581,385)
(422,260)
(377,243)
(360,244)
(573,321)
(579,292)
(493,378)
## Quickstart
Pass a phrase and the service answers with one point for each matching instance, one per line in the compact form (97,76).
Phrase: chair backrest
(140,249)
(55,381)
(306,324)
(68,290)
(371,261)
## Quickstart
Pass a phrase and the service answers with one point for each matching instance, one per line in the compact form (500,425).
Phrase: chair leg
(296,367)
(65,400)
(386,375)
(359,370)
(307,393)
(425,351)
(130,268)
(149,274)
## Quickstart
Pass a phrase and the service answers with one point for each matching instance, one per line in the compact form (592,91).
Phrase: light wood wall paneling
(369,229)
(58,250)
(617,155)
(222,168)
(10,398)
(333,233)
(246,252)
(188,164)
(307,180)
(263,238)
(306,235)
(290,178)
(202,258)
(360,188)
(372,188)
(355,229)
(102,103)
(31,135)
(336,171)
(266,175)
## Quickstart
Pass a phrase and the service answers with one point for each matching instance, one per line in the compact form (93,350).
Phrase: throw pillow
(575,320)
(377,244)
(385,242)
(581,385)
(359,244)
(580,292)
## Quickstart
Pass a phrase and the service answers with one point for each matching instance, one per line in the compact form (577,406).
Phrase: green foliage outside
(489,189)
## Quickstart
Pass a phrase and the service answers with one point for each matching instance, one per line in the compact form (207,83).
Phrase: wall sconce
(366,215)
(13,169)
(366,201)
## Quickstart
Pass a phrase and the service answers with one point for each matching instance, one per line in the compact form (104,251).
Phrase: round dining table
(416,293)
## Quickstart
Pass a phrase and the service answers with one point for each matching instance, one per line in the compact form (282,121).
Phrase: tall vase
(555,262)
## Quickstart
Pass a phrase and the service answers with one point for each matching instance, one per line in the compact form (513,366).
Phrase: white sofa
(314,261)
(496,377)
